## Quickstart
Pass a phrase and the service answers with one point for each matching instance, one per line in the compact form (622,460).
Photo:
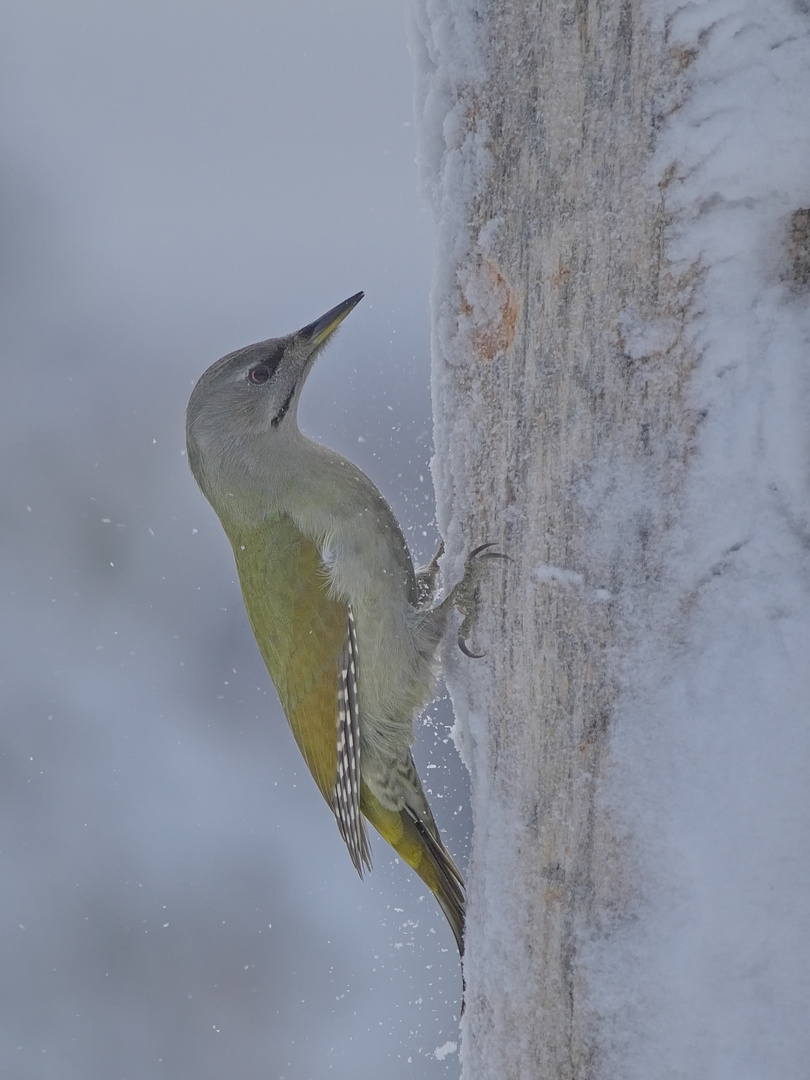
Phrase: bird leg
(427,578)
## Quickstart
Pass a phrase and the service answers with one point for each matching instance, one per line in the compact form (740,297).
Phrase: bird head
(246,403)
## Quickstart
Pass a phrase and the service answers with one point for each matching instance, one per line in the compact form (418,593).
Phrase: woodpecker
(345,624)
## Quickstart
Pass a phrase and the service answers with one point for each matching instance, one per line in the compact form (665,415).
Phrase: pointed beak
(318,332)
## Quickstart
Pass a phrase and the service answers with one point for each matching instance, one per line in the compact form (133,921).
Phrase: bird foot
(464,596)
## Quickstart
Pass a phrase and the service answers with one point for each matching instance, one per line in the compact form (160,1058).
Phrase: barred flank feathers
(346,794)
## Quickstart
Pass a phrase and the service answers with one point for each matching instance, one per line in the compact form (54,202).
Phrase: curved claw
(490,555)
(481,553)
(464,594)
(481,547)
(462,644)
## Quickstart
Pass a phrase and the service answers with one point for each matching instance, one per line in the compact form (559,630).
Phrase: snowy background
(178,180)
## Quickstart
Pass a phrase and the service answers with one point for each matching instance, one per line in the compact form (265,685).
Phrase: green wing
(301,633)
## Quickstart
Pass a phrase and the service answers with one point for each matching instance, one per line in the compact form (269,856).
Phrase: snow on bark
(622,395)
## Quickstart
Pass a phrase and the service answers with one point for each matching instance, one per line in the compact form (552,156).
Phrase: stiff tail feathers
(449,884)
(421,848)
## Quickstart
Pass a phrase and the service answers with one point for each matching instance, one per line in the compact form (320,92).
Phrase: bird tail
(420,846)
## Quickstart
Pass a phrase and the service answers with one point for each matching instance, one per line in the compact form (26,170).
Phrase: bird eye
(259,374)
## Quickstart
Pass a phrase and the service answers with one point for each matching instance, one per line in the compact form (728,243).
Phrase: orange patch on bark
(561,276)
(496,333)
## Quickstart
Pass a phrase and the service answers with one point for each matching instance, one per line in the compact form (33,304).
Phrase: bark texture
(559,378)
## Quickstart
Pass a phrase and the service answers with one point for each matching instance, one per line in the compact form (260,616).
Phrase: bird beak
(319,331)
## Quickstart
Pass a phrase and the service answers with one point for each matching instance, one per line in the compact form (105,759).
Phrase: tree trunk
(574,380)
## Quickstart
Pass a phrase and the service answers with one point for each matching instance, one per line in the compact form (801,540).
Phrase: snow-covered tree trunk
(622,403)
